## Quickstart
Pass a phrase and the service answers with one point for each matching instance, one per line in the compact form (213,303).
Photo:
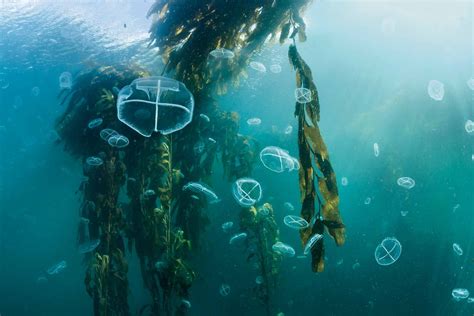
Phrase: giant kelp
(312,148)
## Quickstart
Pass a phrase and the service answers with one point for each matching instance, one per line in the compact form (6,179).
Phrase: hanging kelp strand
(311,146)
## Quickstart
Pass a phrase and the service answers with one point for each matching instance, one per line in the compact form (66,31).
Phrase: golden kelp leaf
(285,31)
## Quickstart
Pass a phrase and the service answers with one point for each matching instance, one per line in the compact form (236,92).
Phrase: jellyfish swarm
(457,249)
(460,294)
(199,188)
(406,182)
(246,191)
(388,251)
(283,249)
(277,159)
(65,80)
(436,90)
(295,222)
(311,242)
(155,104)
(57,268)
(224,290)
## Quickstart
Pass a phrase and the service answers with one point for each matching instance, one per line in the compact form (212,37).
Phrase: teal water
(372,63)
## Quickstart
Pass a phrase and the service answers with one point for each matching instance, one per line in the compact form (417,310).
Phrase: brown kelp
(312,148)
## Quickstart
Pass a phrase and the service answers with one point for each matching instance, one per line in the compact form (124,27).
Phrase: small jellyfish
(283,249)
(288,130)
(275,68)
(41,280)
(258,66)
(295,222)
(65,80)
(222,53)
(344,181)
(186,304)
(356,266)
(277,159)
(246,191)
(460,294)
(118,141)
(227,226)
(94,161)
(161,266)
(403,213)
(205,118)
(35,91)
(289,207)
(406,182)
(201,189)
(470,83)
(303,95)
(237,238)
(106,133)
(457,249)
(254,121)
(149,193)
(57,268)
(367,201)
(95,123)
(4,84)
(339,262)
(311,242)
(199,147)
(376,150)
(259,280)
(224,290)
(455,207)
(470,300)
(89,246)
(388,251)
(436,90)
(469,126)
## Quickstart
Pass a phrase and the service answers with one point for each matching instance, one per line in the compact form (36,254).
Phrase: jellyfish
(436,90)
(237,238)
(460,294)
(344,181)
(227,226)
(205,118)
(457,249)
(246,191)
(295,222)
(406,182)
(95,123)
(199,147)
(259,279)
(65,80)
(199,188)
(303,95)
(277,159)
(222,53)
(258,66)
(186,303)
(376,150)
(404,213)
(275,68)
(367,201)
(289,207)
(254,121)
(88,246)
(224,290)
(469,126)
(35,91)
(118,141)
(57,268)
(106,133)
(149,193)
(283,249)
(288,130)
(311,242)
(388,251)
(94,161)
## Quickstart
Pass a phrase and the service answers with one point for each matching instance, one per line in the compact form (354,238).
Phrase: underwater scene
(236,157)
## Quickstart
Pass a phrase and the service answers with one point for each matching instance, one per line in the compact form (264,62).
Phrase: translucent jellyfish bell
(94,161)
(35,91)
(436,90)
(227,226)
(258,66)
(277,159)
(88,246)
(275,68)
(106,133)
(303,95)
(376,150)
(199,188)
(95,123)
(388,251)
(224,290)
(295,222)
(406,182)
(254,121)
(457,249)
(469,127)
(222,53)
(65,80)
(155,104)
(283,249)
(57,268)
(311,242)
(118,141)
(247,191)
(237,238)
(460,294)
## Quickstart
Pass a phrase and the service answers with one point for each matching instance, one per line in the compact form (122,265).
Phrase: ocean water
(372,63)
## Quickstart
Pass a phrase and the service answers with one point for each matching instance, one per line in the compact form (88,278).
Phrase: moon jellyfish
(470,300)
(258,66)
(95,123)
(288,206)
(237,238)
(367,201)
(288,130)
(460,294)
(356,266)
(254,121)
(118,141)
(469,126)
(227,226)
(436,90)
(149,193)
(186,304)
(457,249)
(303,95)
(41,280)
(57,268)
(205,118)
(224,290)
(470,83)
(283,249)
(277,159)
(344,181)
(88,246)
(161,266)
(155,104)
(246,191)
(35,91)
(376,150)
(94,161)
(65,80)
(201,189)
(106,133)
(295,222)
(404,213)
(406,182)
(275,68)
(222,53)
(311,242)
(339,262)
(388,251)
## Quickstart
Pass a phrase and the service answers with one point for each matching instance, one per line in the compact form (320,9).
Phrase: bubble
(388,251)
(88,246)
(155,104)
(94,161)
(57,268)
(367,201)
(222,53)
(469,126)
(283,249)
(224,290)
(303,95)
(295,222)
(460,294)
(277,159)
(436,90)
(344,181)
(311,242)
(118,141)
(376,150)
(95,123)
(457,249)
(203,190)
(106,133)
(247,191)
(406,182)
(35,91)
(275,68)
(237,238)
(65,80)
(227,226)
(258,66)
(254,121)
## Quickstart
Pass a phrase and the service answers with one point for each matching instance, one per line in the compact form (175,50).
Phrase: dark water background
(372,63)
